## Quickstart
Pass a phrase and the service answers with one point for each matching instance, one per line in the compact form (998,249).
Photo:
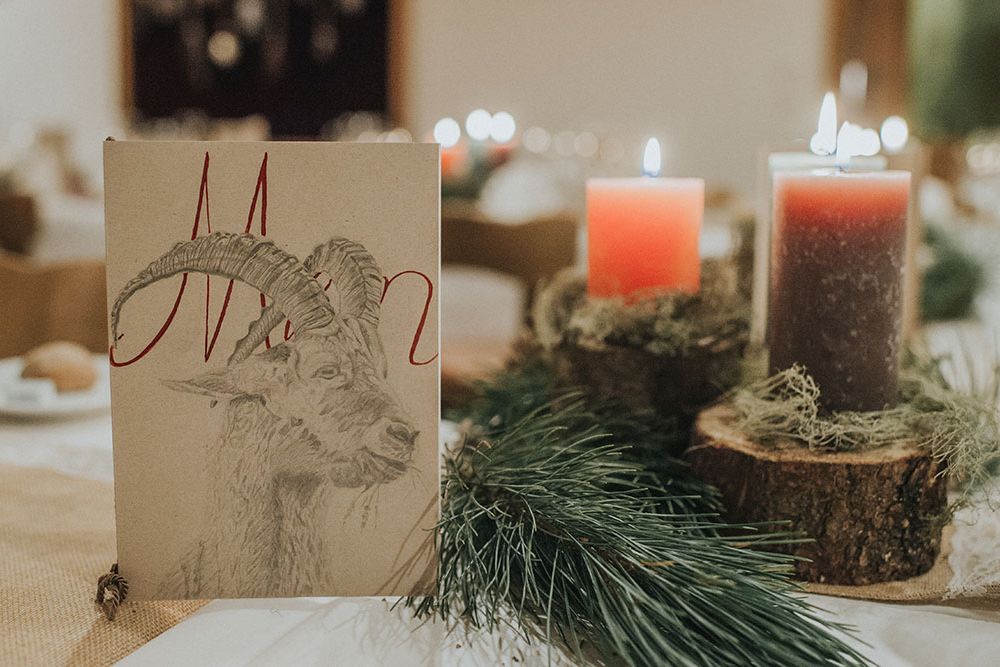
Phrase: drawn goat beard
(355,461)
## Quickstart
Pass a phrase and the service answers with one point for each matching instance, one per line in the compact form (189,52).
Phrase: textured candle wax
(838,246)
(643,235)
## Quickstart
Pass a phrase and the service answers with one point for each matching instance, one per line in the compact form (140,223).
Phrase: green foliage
(664,324)
(954,69)
(548,513)
(650,441)
(952,281)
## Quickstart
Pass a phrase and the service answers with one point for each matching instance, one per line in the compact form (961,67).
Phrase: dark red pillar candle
(837,251)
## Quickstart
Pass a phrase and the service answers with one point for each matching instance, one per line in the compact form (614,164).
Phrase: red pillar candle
(838,245)
(643,235)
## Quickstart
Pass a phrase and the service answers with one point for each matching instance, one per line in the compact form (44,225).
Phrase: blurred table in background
(529,251)
(490,272)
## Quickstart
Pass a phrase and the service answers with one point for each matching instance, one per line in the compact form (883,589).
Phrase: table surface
(367,631)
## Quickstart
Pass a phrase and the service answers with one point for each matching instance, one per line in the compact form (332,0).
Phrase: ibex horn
(357,289)
(246,258)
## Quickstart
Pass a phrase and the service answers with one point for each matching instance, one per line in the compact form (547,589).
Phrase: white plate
(68,404)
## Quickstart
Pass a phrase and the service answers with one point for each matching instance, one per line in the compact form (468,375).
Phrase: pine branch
(649,441)
(547,515)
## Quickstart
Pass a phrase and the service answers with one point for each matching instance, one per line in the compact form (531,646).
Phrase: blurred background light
(478,124)
(537,139)
(895,134)
(447,132)
(502,127)
(224,49)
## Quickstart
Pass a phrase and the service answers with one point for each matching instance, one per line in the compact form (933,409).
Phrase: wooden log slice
(875,516)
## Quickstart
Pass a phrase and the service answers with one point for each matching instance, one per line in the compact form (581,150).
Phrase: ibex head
(323,394)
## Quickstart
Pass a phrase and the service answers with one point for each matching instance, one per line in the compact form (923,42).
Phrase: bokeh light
(502,127)
(478,124)
(537,139)
(895,134)
(447,132)
(224,48)
(586,144)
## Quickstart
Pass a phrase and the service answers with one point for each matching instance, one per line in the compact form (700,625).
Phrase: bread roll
(69,365)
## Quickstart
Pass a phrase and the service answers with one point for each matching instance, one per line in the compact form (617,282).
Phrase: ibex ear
(257,375)
(217,384)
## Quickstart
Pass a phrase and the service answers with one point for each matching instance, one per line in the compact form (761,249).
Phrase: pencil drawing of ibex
(309,414)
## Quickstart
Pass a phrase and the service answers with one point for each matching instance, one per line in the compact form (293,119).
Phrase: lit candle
(643,232)
(838,247)
(822,145)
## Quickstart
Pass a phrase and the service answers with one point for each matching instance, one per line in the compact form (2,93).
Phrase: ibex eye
(328,372)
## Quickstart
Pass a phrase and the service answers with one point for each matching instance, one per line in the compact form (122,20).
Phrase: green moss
(960,429)
(664,324)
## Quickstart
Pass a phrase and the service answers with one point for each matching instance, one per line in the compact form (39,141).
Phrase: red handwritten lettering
(202,196)
(423,315)
(259,195)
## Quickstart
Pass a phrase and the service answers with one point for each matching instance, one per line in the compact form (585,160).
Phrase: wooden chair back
(530,251)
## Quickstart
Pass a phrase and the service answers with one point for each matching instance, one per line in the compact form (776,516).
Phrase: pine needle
(547,513)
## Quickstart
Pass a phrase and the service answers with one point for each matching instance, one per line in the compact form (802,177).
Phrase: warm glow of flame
(824,142)
(855,140)
(651,158)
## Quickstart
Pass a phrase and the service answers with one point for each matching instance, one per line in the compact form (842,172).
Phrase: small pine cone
(112,589)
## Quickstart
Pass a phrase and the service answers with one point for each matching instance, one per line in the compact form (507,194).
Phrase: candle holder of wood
(872,516)
(669,353)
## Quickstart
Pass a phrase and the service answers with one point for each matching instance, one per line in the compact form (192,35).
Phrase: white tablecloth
(367,631)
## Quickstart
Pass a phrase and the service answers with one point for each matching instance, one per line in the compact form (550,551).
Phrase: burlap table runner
(930,587)
(57,535)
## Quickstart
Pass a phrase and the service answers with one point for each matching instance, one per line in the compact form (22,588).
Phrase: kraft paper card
(274,323)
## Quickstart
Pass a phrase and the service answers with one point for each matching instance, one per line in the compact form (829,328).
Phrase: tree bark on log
(875,516)
(640,380)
